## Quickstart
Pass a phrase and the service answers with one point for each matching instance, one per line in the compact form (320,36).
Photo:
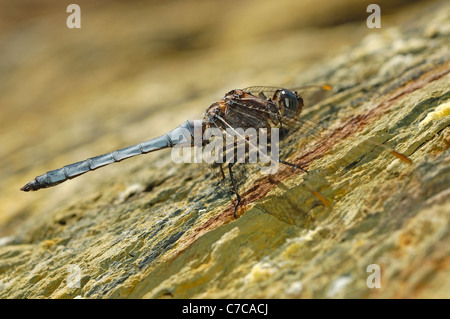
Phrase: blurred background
(136,69)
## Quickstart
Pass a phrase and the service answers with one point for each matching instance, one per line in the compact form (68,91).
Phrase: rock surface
(148,228)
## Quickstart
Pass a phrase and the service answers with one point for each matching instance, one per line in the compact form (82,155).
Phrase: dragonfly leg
(222,175)
(293,165)
(233,183)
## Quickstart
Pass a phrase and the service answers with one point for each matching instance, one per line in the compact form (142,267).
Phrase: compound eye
(290,103)
(289,99)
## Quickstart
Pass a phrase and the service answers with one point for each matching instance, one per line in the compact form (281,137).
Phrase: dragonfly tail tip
(31,186)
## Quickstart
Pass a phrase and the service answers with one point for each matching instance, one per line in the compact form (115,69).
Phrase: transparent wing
(271,89)
(261,88)
(307,130)
(311,94)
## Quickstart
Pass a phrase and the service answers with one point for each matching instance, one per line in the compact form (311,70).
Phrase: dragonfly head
(290,104)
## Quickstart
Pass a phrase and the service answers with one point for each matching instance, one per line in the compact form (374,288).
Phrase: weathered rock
(154,229)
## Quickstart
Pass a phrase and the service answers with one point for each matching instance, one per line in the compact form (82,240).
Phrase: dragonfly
(239,108)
